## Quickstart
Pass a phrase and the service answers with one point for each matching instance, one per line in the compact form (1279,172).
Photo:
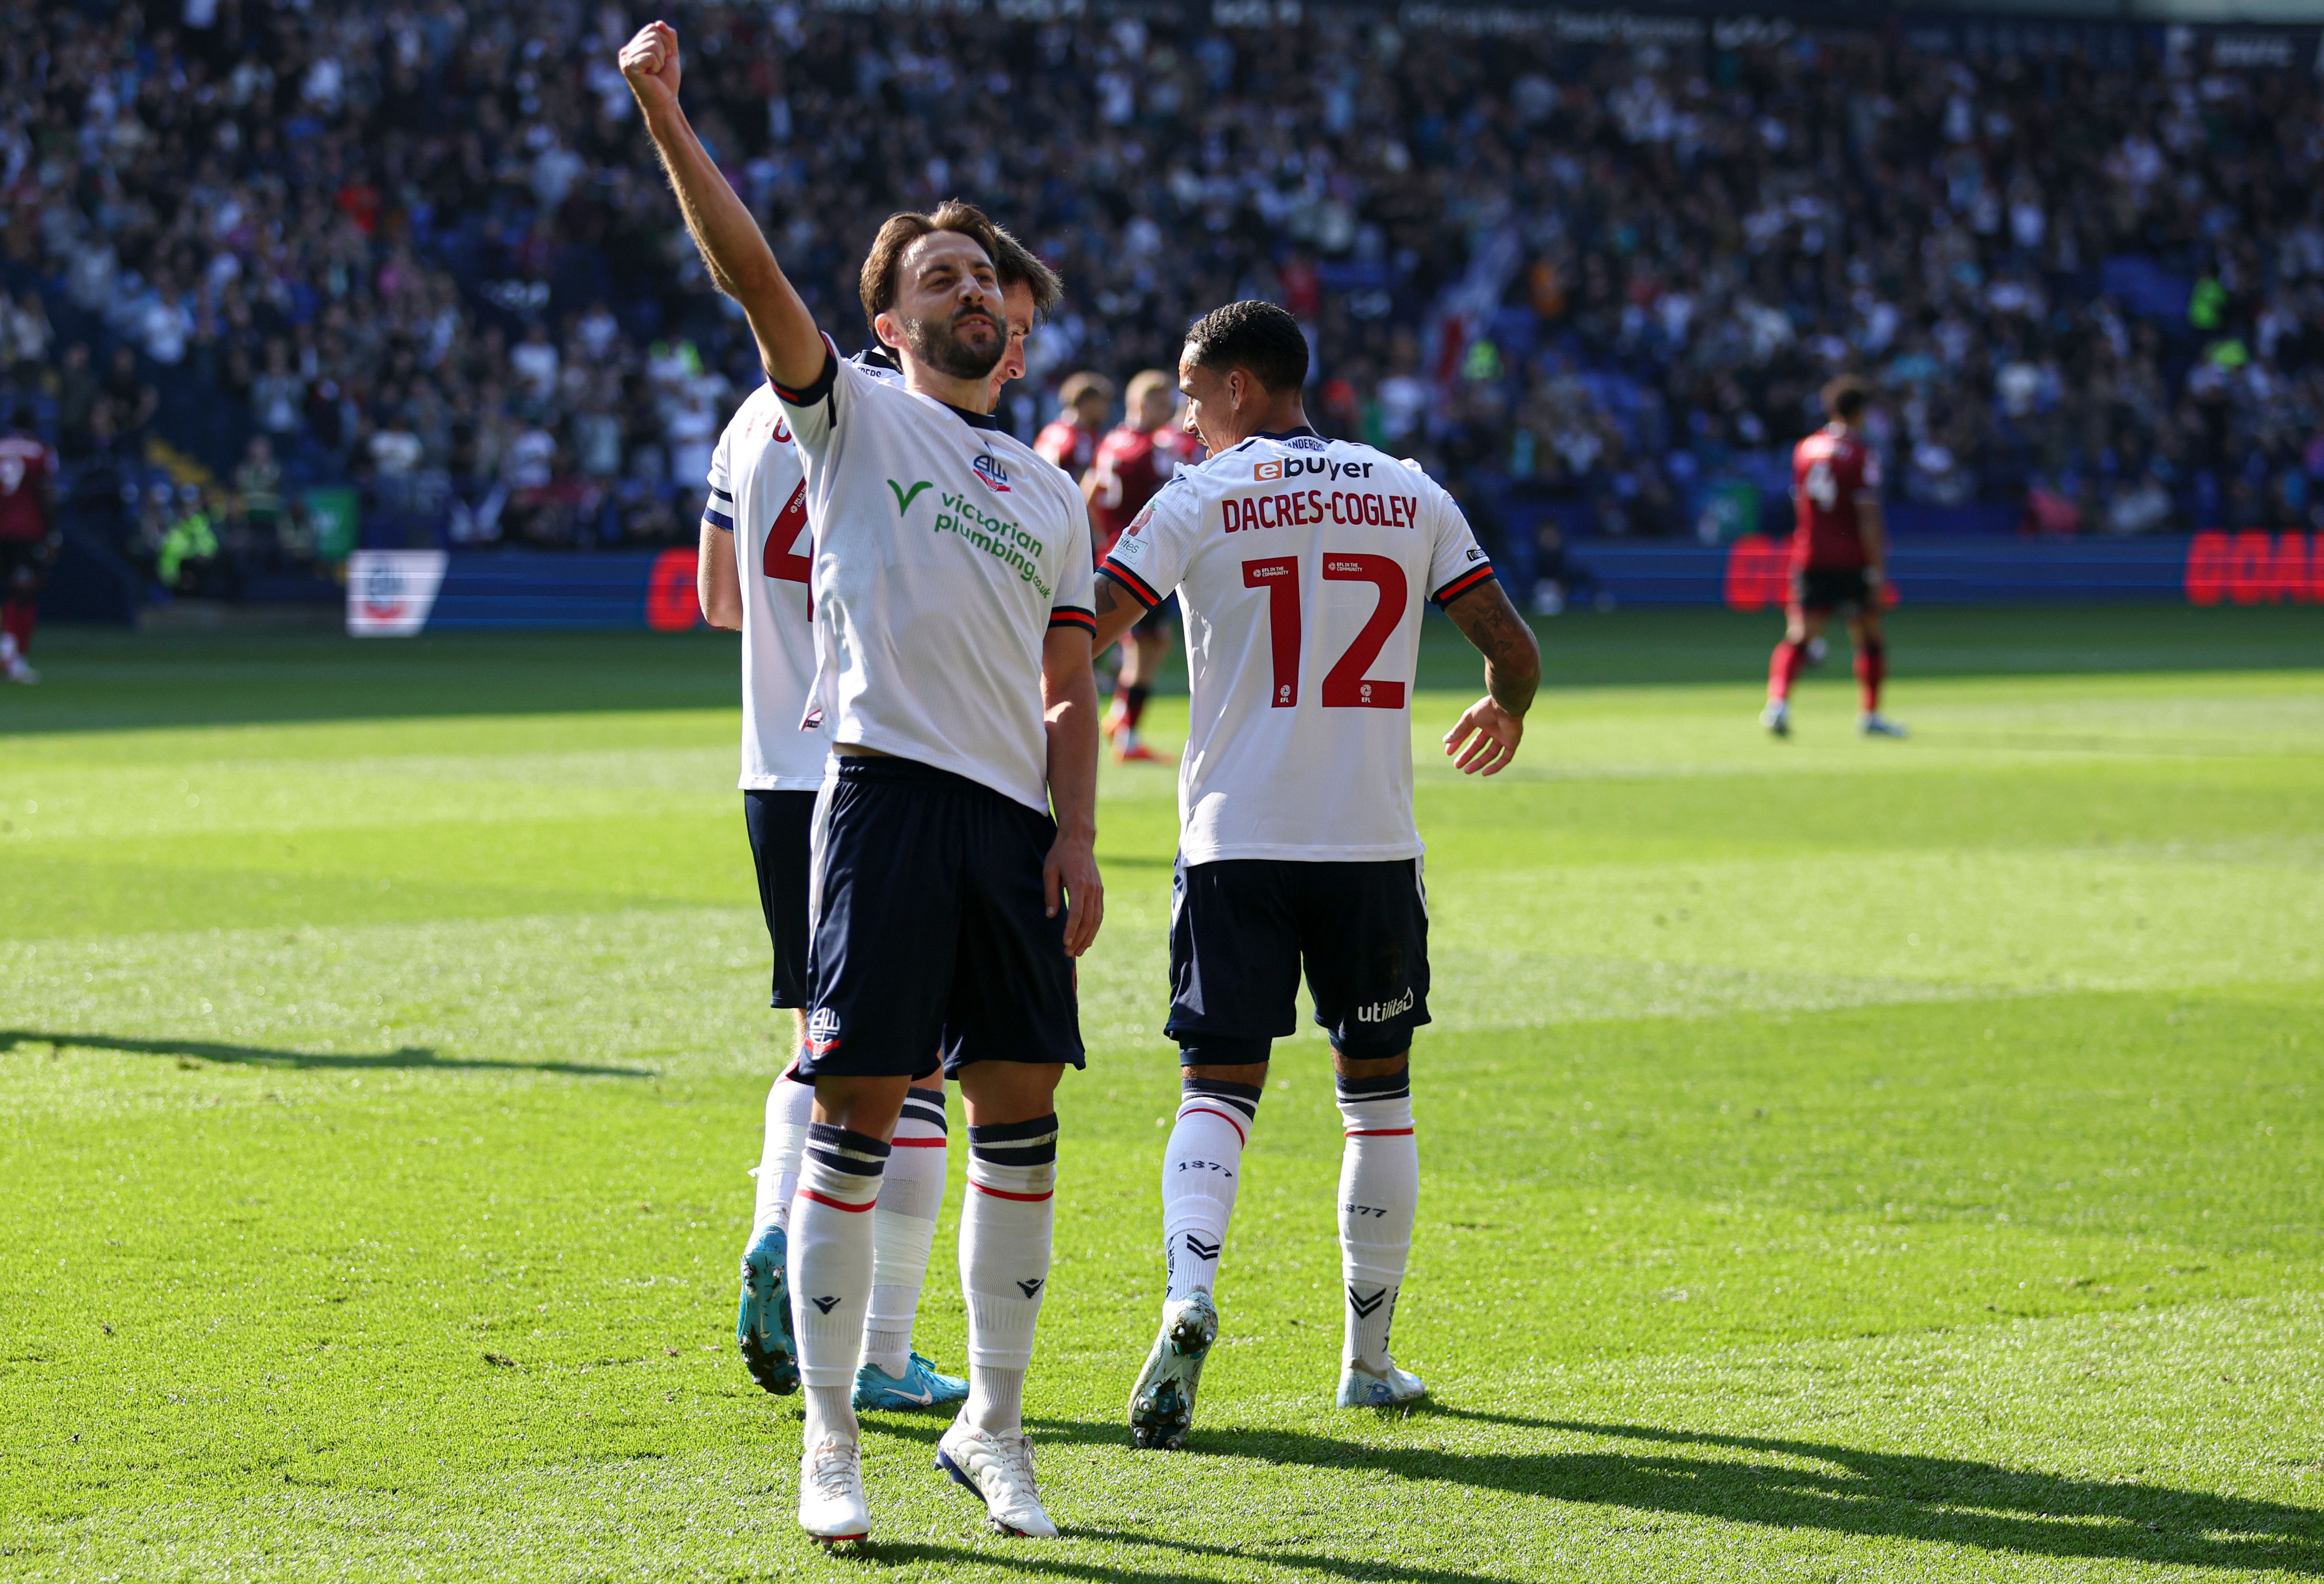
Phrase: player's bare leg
(1802,627)
(1871,671)
(1005,1228)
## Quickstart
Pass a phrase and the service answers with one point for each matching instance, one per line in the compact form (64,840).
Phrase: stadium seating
(422,251)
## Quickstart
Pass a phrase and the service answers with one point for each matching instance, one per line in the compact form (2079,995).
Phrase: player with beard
(753,578)
(951,579)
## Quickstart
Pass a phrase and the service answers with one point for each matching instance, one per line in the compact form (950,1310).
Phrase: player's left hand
(1070,874)
(1484,739)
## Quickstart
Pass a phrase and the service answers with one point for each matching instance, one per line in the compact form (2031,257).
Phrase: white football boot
(1361,1388)
(1876,725)
(1778,718)
(831,1504)
(1162,1402)
(999,1469)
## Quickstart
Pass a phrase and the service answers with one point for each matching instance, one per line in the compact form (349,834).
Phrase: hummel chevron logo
(905,497)
(1032,1287)
(823,1305)
(1200,1249)
(1362,1305)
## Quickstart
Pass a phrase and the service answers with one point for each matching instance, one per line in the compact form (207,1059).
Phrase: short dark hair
(1018,265)
(900,231)
(1257,337)
(1844,398)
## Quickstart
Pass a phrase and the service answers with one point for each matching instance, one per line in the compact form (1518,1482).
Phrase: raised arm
(1486,736)
(733,249)
(1069,707)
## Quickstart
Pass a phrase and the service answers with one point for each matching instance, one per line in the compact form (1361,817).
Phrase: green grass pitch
(1842,1160)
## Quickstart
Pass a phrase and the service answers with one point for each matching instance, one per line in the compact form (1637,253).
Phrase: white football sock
(1004,1263)
(1379,1190)
(831,1269)
(791,1106)
(904,1229)
(1201,1166)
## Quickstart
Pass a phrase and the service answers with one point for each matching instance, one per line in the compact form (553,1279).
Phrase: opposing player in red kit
(1839,560)
(1070,439)
(28,539)
(1133,462)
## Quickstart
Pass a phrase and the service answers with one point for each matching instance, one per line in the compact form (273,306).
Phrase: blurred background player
(1840,556)
(29,539)
(1084,402)
(1132,462)
(1304,564)
(753,578)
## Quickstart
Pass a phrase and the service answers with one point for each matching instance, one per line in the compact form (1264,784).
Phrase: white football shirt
(945,551)
(1301,564)
(758,494)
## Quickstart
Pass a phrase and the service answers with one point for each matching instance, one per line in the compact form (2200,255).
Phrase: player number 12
(1345,686)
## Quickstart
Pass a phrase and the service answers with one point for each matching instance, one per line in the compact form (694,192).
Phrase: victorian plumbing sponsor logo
(996,536)
(1381,1011)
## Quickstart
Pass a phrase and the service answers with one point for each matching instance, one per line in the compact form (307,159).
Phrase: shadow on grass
(1798,1484)
(410,1056)
(1165,1571)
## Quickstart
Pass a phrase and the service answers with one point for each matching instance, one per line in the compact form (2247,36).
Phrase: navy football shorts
(1826,589)
(1242,928)
(930,928)
(782,832)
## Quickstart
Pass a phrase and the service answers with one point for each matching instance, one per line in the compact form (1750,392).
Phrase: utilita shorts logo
(994,475)
(1381,1011)
(823,1032)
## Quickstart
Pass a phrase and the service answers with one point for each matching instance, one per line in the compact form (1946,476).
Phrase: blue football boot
(1361,1388)
(919,1386)
(762,1325)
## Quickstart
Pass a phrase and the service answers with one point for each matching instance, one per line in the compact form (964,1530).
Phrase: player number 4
(783,562)
(1345,686)
(1822,489)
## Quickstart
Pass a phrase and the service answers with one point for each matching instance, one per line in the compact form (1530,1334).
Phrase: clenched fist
(649,63)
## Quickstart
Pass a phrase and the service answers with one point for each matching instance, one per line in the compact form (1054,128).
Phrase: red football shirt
(1131,465)
(26,465)
(1831,471)
(1069,445)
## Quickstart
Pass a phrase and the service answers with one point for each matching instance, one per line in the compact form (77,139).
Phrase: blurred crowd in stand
(421,249)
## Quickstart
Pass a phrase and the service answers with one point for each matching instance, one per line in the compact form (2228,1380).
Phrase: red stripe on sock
(1378,1133)
(1207,1111)
(1028,1199)
(837,1204)
(916,1144)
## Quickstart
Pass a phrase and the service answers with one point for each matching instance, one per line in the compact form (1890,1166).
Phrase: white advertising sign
(390,592)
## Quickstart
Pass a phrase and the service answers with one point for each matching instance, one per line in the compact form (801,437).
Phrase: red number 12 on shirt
(1345,686)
